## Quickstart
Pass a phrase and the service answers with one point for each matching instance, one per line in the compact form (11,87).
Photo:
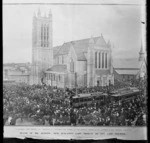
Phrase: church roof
(126,63)
(64,49)
(56,49)
(58,68)
(80,47)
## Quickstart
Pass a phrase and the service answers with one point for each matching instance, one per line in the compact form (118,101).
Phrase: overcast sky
(121,24)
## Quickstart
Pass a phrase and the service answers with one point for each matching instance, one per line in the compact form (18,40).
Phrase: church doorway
(97,82)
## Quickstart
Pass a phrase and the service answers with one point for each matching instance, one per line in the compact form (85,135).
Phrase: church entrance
(97,83)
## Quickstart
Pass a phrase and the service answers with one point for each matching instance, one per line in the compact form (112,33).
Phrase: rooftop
(58,68)
(127,72)
(126,63)
(80,47)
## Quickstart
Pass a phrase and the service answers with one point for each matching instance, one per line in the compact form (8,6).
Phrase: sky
(121,24)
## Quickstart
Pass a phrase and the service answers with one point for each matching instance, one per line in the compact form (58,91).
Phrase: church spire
(141,50)
(141,53)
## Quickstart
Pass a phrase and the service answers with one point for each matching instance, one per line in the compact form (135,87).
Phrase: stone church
(80,63)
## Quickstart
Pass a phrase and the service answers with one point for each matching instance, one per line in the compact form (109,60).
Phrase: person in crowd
(54,106)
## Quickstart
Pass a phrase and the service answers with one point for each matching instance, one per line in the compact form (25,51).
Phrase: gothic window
(72,65)
(102,60)
(47,33)
(99,60)
(42,36)
(105,60)
(95,59)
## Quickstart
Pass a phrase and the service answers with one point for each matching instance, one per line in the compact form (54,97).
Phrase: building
(128,69)
(142,65)
(85,62)
(19,73)
(125,69)
(42,50)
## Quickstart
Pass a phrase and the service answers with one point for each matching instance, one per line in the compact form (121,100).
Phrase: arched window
(47,35)
(105,60)
(102,60)
(95,59)
(42,35)
(72,65)
(99,59)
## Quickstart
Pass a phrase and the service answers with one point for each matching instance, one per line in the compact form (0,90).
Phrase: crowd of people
(129,113)
(52,106)
(35,102)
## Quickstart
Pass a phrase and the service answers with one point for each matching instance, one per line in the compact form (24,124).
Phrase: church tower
(42,51)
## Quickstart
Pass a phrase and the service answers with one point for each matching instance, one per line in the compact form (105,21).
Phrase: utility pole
(76,83)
